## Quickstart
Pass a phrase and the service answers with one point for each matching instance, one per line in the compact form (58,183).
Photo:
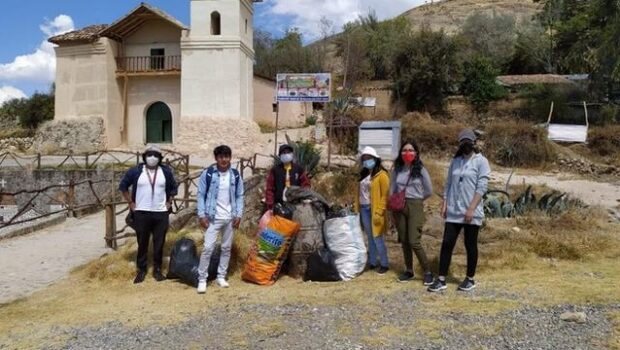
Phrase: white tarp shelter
(568,132)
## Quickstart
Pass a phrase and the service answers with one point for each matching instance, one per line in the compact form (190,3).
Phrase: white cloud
(40,65)
(307,14)
(9,92)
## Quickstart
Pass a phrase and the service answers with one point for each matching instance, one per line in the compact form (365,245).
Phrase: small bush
(609,114)
(604,141)
(266,128)
(311,119)
(432,136)
(15,133)
(518,144)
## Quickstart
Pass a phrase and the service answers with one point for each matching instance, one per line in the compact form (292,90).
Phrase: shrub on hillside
(517,144)
(432,136)
(604,141)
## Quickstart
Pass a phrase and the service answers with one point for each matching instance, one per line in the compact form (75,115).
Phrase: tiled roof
(526,79)
(87,34)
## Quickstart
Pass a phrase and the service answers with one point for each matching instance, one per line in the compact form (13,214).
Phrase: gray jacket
(465,179)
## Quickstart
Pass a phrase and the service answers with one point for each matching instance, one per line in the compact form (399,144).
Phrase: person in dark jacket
(284,175)
(153,188)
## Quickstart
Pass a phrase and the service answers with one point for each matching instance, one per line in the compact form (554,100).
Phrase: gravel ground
(397,321)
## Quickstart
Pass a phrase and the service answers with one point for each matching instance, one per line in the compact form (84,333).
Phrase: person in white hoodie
(462,208)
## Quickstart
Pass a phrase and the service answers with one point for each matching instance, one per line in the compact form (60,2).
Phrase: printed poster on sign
(315,87)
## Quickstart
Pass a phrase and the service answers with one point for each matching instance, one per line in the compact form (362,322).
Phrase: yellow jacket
(379,192)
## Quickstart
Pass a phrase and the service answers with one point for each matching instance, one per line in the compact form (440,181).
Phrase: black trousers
(450,235)
(149,223)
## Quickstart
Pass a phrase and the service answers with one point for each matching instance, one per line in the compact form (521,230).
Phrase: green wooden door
(158,123)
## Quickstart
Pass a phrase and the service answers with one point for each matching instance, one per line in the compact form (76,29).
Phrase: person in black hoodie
(153,188)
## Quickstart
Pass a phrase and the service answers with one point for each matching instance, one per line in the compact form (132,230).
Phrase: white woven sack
(345,240)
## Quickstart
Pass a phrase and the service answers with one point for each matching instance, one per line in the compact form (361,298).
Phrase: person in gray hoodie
(462,208)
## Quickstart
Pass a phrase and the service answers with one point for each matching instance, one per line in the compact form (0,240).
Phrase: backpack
(212,169)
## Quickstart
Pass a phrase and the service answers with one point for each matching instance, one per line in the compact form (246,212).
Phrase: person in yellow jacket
(371,203)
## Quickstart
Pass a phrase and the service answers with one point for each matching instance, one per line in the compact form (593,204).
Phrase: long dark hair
(378,167)
(416,167)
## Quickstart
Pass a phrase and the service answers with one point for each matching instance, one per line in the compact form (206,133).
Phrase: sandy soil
(31,262)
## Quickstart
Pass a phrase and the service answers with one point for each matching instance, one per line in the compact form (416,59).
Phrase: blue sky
(27,61)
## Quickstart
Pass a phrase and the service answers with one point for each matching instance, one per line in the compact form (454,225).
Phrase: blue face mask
(369,164)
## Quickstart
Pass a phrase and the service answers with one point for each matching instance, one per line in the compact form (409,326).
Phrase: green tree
(479,84)
(493,36)
(426,69)
(38,108)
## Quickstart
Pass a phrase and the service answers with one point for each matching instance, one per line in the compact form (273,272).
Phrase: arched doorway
(158,123)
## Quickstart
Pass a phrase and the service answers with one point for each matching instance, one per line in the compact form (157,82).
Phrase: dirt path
(31,262)
(606,195)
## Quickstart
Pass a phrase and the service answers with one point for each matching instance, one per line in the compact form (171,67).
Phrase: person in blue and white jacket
(467,182)
(220,208)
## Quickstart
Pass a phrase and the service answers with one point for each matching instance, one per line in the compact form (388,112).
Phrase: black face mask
(466,148)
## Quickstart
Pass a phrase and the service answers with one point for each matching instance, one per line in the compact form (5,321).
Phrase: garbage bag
(284,210)
(344,238)
(269,251)
(184,262)
(322,267)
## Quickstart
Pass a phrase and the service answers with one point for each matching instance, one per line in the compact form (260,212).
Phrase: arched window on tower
(216,25)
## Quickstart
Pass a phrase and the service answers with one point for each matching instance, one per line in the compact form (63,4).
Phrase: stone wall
(199,136)
(79,135)
(16,144)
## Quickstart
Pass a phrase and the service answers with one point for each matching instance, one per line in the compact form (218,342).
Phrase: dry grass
(605,141)
(551,260)
(432,136)
(511,143)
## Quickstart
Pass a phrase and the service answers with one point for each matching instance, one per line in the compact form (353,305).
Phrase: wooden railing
(148,64)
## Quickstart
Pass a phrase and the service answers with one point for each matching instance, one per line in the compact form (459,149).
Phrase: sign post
(302,87)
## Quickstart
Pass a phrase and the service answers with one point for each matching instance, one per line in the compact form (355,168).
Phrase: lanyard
(153,181)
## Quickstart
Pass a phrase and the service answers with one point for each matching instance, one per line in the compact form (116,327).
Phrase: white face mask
(152,161)
(286,158)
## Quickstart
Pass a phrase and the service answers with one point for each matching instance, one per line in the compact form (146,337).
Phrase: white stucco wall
(142,93)
(292,114)
(154,34)
(86,86)
(216,80)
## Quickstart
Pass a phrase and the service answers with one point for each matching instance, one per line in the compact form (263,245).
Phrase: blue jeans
(376,245)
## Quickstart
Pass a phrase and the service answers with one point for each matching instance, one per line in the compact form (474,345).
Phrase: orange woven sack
(269,252)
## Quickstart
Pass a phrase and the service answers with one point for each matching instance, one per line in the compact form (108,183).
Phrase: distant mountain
(451,14)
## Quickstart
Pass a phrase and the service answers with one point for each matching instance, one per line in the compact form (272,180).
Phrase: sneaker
(202,287)
(139,277)
(406,276)
(467,284)
(222,283)
(382,270)
(437,286)
(428,278)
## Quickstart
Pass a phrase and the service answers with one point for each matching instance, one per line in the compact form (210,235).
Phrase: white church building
(154,80)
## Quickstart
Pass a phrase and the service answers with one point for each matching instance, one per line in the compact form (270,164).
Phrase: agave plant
(497,203)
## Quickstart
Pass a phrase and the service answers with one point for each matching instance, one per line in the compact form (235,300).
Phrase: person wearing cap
(410,175)
(371,204)
(153,188)
(219,208)
(462,208)
(283,175)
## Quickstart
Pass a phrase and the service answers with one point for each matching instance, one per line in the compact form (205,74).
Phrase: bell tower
(218,61)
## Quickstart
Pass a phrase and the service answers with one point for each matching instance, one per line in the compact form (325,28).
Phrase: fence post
(110,226)
(71,199)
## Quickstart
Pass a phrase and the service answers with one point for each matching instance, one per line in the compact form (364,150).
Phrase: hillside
(451,14)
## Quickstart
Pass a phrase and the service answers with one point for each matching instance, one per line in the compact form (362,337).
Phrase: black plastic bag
(184,262)
(321,267)
(284,210)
